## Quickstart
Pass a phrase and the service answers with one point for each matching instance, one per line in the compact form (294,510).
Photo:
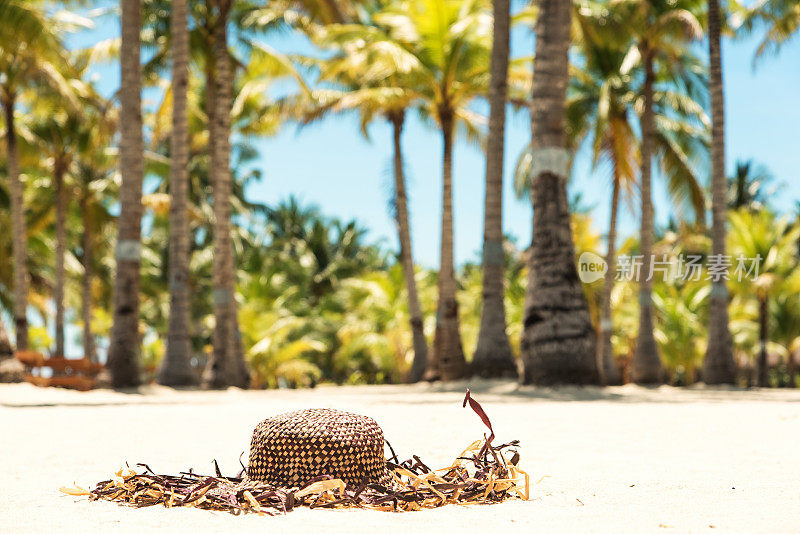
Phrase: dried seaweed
(482,474)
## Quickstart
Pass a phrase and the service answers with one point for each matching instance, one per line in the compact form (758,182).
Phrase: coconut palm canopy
(282,194)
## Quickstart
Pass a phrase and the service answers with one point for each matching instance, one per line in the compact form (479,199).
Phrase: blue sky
(330,163)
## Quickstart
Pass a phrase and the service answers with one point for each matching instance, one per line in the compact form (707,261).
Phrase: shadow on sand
(496,391)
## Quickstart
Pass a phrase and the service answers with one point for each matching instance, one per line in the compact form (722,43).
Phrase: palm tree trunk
(406,258)
(763,321)
(447,359)
(18,230)
(606,365)
(226,366)
(125,344)
(11,369)
(61,246)
(176,368)
(689,375)
(6,350)
(89,347)
(214,373)
(493,357)
(718,366)
(646,365)
(240,373)
(558,341)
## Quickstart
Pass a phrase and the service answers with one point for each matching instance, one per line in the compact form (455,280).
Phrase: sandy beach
(622,459)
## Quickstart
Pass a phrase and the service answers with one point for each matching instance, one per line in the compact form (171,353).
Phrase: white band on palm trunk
(129,250)
(550,159)
(719,290)
(222,296)
(493,252)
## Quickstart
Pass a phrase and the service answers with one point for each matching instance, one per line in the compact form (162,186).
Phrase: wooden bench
(73,374)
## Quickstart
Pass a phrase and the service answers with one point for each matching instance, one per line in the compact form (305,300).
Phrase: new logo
(591,267)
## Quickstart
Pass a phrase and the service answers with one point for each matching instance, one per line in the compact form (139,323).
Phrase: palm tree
(361,50)
(176,367)
(17,226)
(250,116)
(39,235)
(747,188)
(450,40)
(679,329)
(558,341)
(718,366)
(771,243)
(55,136)
(61,134)
(61,250)
(614,131)
(5,345)
(125,344)
(661,29)
(406,257)
(785,313)
(87,257)
(333,306)
(780,18)
(11,369)
(646,365)
(31,52)
(493,357)
(94,174)
(600,95)
(226,366)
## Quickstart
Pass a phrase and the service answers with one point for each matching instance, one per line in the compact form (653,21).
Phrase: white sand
(618,460)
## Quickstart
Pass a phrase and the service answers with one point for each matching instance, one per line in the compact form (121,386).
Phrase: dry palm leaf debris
(482,474)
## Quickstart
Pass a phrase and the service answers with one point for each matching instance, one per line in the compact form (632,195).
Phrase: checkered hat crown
(290,449)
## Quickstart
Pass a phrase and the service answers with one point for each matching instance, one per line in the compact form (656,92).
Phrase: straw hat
(293,448)
(327,458)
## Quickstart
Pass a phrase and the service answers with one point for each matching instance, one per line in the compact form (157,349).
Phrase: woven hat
(331,459)
(293,448)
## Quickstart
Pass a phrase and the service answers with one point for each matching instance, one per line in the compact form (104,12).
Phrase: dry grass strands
(482,474)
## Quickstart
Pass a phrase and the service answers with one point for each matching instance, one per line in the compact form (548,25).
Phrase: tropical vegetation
(130,232)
